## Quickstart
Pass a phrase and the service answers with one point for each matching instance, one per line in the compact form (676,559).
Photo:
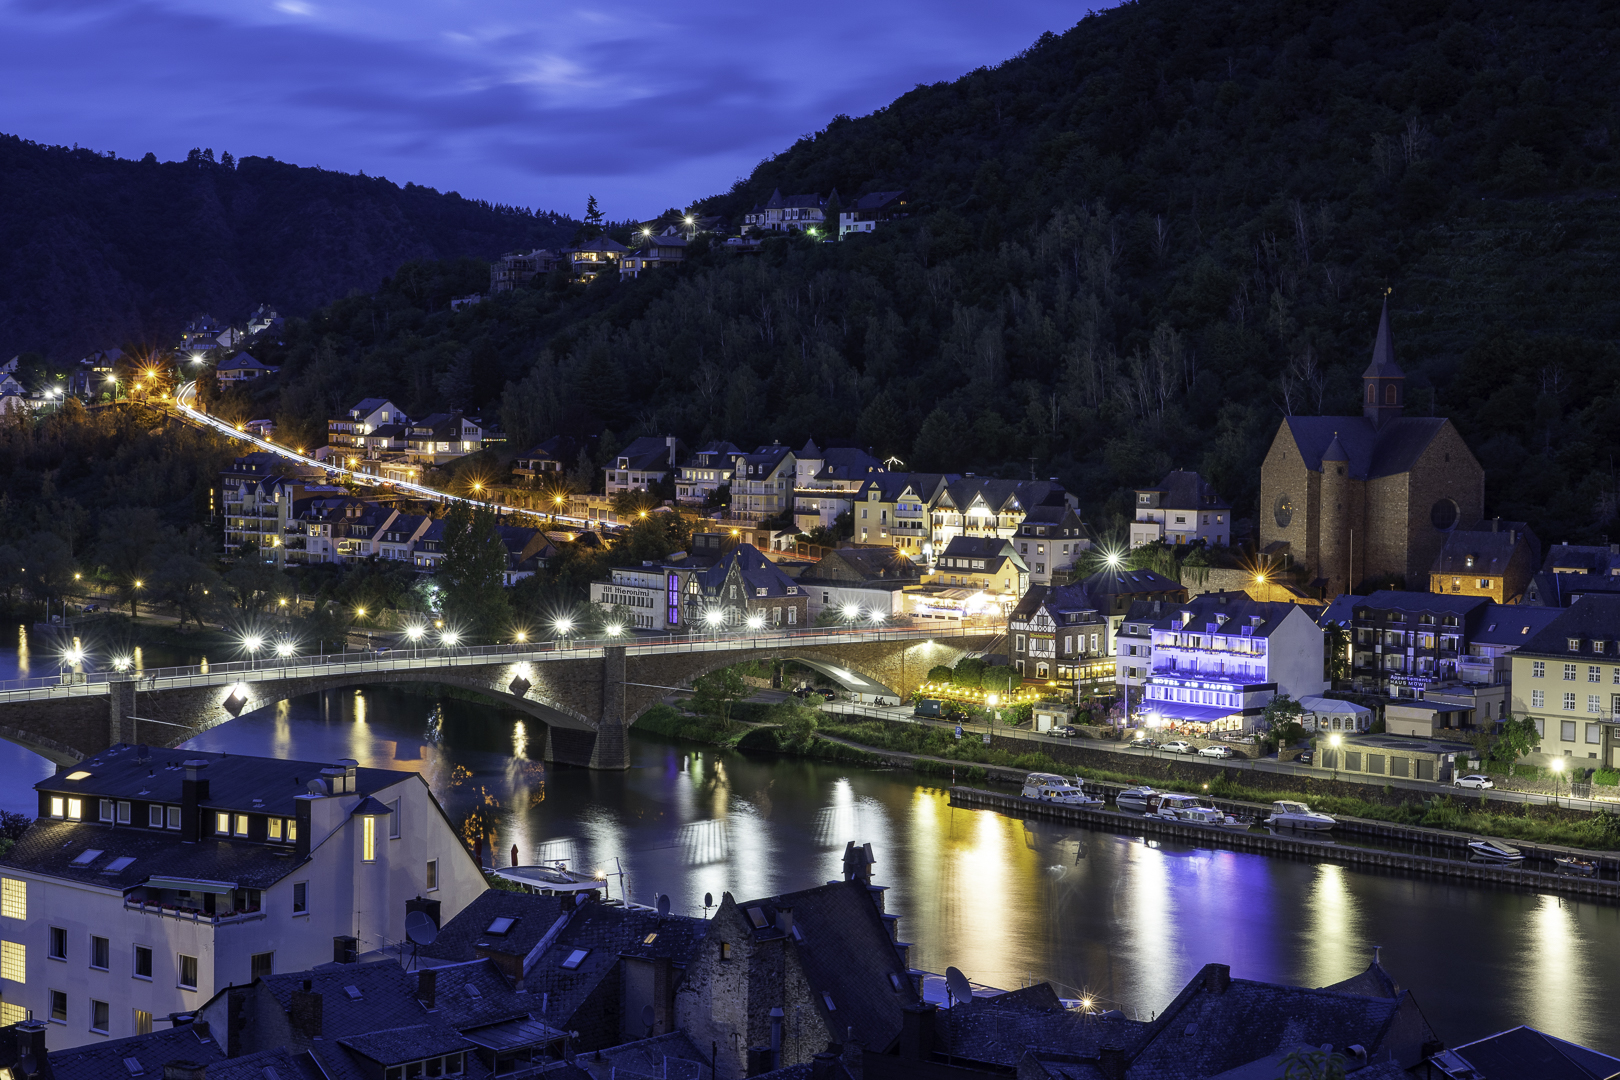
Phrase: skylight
(575,958)
(133,1065)
(649,939)
(77,774)
(353,992)
(826,997)
(120,863)
(87,856)
(757,917)
(500,925)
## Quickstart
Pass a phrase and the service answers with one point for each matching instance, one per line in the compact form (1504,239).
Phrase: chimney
(917,1031)
(30,1048)
(759,1060)
(350,767)
(1217,978)
(427,985)
(182,1070)
(301,823)
(345,947)
(304,1012)
(192,792)
(670,441)
(824,1066)
(784,920)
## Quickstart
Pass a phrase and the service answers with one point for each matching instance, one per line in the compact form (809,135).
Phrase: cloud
(644,104)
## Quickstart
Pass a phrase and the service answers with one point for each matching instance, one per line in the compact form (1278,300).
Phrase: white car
(1180,746)
(1474,780)
(1215,751)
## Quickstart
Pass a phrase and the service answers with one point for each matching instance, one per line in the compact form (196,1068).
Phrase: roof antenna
(1376,950)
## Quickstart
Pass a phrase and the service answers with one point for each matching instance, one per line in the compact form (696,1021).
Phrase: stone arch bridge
(587,694)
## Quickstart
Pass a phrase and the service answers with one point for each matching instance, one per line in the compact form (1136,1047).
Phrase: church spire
(1383,383)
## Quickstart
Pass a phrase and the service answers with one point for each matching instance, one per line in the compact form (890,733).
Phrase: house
(1572,571)
(892,509)
(984,564)
(1184,509)
(665,249)
(1059,635)
(646,461)
(90,375)
(551,459)
(1050,539)
(264,318)
(137,895)
(1495,558)
(201,334)
(257,494)
(762,483)
(593,256)
(527,551)
(829,957)
(441,437)
(1401,642)
(365,416)
(985,506)
(1567,678)
(826,482)
(744,590)
(784,213)
(242,368)
(427,551)
(858,584)
(708,470)
(1522,1051)
(328,528)
(648,597)
(863,215)
(1357,497)
(1218,660)
(518,268)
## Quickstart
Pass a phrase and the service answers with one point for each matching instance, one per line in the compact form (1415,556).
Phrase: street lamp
(1336,740)
(414,632)
(285,649)
(715,618)
(251,643)
(1558,772)
(614,629)
(756,621)
(564,626)
(520,636)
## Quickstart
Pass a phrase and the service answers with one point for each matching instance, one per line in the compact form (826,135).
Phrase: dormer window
(1597,646)
(1574,644)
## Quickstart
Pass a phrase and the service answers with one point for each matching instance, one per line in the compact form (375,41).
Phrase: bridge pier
(612,749)
(120,707)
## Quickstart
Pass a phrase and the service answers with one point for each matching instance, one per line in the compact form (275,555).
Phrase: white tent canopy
(1334,714)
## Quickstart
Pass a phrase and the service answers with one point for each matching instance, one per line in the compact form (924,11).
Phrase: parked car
(801,692)
(830,695)
(1215,750)
(1474,780)
(88,608)
(1180,746)
(1142,742)
(1306,757)
(1064,731)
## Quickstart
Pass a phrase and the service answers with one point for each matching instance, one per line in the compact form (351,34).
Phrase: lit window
(368,839)
(75,809)
(432,874)
(222,824)
(241,824)
(14,898)
(14,961)
(188,972)
(272,828)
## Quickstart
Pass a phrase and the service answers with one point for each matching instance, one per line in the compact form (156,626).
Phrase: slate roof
(1370,981)
(1383,365)
(778,201)
(49,848)
(263,785)
(532,915)
(673,1056)
(1561,590)
(1262,617)
(875,200)
(386,996)
(1185,490)
(559,448)
(978,547)
(1591,618)
(105,1060)
(605,933)
(1490,550)
(1001,1034)
(848,956)
(1584,558)
(764,460)
(243,362)
(756,571)
(1407,602)
(1372,452)
(1058,515)
(1512,625)
(394,1046)
(1003,496)
(476,994)
(648,452)
(1524,1053)
(1107,584)
(274,1064)
(843,462)
(847,565)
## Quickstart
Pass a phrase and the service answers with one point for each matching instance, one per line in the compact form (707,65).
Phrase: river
(1121,919)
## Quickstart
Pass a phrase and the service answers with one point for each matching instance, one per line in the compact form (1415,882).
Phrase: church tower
(1383,384)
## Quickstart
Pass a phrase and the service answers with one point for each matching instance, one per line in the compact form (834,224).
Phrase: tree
(940,673)
(327,624)
(1282,717)
(796,723)
(1517,738)
(1312,1065)
(593,218)
(128,545)
(473,597)
(715,693)
(253,584)
(969,672)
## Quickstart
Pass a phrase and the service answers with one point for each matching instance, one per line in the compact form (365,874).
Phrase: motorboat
(1208,815)
(1496,851)
(550,878)
(1062,790)
(1135,800)
(1287,814)
(1569,864)
(1171,806)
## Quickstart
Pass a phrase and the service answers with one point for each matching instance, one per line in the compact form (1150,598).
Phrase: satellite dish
(317,787)
(958,986)
(420,929)
(708,899)
(662,903)
(648,1018)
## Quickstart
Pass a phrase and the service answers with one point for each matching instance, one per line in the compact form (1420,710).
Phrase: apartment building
(827,481)
(1183,509)
(762,484)
(136,895)
(257,495)
(646,461)
(708,470)
(364,417)
(1567,678)
(1051,540)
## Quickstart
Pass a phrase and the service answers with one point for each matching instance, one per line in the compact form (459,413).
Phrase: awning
(1180,712)
(219,888)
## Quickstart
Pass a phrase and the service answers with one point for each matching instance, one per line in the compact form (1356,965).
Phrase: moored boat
(1496,851)
(1569,864)
(1063,790)
(1135,800)
(1209,815)
(1287,814)
(1171,806)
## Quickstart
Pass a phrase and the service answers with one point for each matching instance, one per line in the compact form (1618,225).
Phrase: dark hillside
(1133,247)
(98,251)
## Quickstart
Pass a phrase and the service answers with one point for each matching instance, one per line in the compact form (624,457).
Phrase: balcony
(192,915)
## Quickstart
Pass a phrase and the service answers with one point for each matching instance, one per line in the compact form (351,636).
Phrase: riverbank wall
(1312,849)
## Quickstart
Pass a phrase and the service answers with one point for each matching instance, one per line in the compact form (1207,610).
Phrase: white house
(1182,509)
(1218,660)
(151,880)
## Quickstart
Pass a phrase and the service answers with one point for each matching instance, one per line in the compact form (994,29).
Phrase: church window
(1389,394)
(1372,394)
(1443,515)
(1283,510)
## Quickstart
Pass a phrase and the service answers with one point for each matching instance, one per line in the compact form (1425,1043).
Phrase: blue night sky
(529,102)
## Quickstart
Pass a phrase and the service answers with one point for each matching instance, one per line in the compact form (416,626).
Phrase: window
(393,820)
(1574,644)
(1594,734)
(11,1014)
(105,810)
(1538,670)
(58,943)
(143,962)
(13,898)
(173,817)
(143,1022)
(123,813)
(75,809)
(272,828)
(222,824)
(99,1015)
(575,958)
(1538,699)
(725,950)
(1566,730)
(1569,702)
(1594,673)
(1569,672)
(14,961)
(432,874)
(292,830)
(241,825)
(1594,704)
(154,817)
(100,953)
(188,972)
(368,839)
(300,898)
(58,806)
(260,966)
(58,1007)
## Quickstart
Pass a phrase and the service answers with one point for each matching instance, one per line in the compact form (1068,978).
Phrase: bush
(1606,777)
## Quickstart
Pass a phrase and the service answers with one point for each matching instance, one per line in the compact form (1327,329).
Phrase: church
(1358,497)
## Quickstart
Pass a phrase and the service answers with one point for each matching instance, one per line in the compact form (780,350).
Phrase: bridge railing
(407,657)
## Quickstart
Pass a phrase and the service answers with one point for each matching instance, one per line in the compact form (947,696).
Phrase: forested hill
(98,251)
(1133,247)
